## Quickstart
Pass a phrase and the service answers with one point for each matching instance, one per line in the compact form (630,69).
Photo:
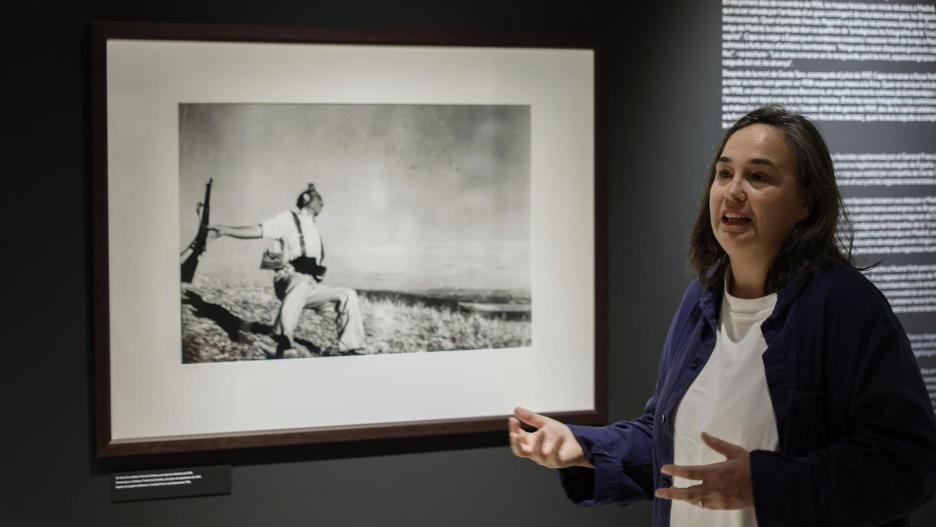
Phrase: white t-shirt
(282,228)
(729,400)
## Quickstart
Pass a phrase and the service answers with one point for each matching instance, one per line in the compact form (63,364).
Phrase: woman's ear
(806,205)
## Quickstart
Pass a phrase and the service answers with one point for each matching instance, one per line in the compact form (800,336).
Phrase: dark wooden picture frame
(104,353)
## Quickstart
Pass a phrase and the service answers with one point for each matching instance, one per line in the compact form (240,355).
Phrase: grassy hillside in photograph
(227,320)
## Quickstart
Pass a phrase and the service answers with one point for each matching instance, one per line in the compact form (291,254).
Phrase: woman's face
(755,199)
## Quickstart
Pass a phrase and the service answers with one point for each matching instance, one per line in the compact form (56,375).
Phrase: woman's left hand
(724,485)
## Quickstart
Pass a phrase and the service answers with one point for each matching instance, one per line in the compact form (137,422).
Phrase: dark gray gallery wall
(663,85)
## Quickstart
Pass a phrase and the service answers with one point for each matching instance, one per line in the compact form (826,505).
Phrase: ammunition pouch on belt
(309,266)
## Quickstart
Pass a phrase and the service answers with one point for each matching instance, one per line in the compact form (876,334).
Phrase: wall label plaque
(170,483)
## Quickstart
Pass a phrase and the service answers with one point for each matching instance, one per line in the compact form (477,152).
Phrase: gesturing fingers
(724,485)
(531,418)
(540,446)
(517,436)
(545,441)
(549,451)
(691,494)
(695,472)
(536,445)
(729,450)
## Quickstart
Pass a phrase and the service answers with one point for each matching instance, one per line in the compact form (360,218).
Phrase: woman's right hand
(551,445)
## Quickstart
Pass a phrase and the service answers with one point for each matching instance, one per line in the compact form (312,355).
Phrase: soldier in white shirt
(297,261)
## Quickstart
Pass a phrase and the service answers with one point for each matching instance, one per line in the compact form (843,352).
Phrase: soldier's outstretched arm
(243,232)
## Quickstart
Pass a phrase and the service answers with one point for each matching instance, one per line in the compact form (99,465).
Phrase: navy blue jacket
(857,435)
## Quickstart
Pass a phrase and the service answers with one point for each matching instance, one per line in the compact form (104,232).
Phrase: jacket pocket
(806,423)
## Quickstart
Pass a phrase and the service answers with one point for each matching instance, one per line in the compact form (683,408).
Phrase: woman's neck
(746,281)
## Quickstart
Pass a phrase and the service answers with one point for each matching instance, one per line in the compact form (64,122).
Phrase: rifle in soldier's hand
(198,245)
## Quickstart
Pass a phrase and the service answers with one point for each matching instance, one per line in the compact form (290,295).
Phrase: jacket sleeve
(622,455)
(883,464)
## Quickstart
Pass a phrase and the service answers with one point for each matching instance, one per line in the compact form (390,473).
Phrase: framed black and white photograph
(305,236)
(426,209)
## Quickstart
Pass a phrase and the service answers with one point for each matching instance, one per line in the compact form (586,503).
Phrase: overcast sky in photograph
(416,196)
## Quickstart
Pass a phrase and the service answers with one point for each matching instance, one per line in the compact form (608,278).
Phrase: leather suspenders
(301,237)
(302,243)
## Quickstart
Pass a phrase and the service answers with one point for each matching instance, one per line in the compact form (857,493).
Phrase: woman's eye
(758,177)
(723,174)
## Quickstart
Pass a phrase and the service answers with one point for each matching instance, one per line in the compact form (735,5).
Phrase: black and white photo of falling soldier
(428,230)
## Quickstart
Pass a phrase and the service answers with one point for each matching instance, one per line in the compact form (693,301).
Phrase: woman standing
(787,393)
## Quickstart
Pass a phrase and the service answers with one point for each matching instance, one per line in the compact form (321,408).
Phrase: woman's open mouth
(730,218)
